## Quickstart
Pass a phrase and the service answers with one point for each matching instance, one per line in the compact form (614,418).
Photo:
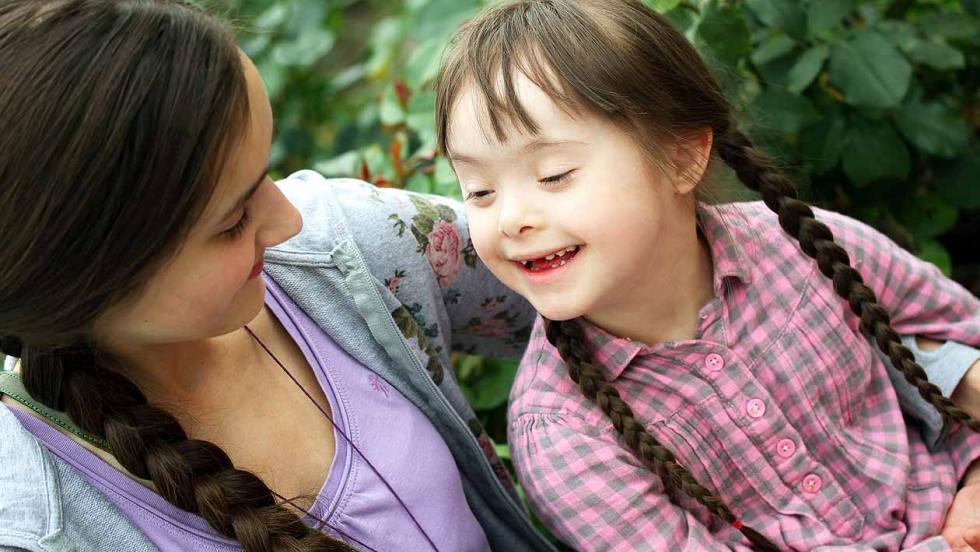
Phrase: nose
(281,220)
(517,217)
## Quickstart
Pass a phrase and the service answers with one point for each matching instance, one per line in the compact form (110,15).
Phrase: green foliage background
(873,105)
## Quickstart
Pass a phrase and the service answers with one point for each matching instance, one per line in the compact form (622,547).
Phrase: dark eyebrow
(530,147)
(248,194)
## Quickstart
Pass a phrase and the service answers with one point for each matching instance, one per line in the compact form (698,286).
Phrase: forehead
(248,152)
(470,123)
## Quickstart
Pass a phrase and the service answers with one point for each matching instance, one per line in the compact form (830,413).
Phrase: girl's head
(583,125)
(135,208)
(588,124)
(133,131)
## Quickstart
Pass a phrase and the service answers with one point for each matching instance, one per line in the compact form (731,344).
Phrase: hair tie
(11,346)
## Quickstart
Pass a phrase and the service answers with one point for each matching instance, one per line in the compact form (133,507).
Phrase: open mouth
(552,261)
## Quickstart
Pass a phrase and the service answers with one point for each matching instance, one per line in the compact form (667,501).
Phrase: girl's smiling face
(576,217)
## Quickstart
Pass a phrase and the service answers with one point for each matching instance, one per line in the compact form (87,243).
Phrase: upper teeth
(561,253)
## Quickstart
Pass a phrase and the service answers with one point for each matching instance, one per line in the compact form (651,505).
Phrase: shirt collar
(721,228)
(612,354)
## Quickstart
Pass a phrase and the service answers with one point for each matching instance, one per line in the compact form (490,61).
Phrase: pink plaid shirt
(779,405)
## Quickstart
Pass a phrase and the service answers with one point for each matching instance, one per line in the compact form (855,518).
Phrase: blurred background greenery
(873,106)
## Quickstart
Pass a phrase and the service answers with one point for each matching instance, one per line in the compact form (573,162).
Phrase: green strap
(12,386)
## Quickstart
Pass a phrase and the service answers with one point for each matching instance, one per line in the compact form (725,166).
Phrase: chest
(271,428)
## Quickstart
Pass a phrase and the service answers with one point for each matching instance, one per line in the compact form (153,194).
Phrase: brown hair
(624,62)
(117,116)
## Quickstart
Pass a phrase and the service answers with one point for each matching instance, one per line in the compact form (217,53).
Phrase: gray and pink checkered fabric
(779,405)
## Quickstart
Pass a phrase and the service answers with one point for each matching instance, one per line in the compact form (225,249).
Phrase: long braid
(778,192)
(195,475)
(567,338)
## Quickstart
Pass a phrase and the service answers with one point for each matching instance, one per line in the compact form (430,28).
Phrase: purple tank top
(395,437)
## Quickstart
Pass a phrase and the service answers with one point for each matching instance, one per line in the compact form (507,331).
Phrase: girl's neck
(666,304)
(196,375)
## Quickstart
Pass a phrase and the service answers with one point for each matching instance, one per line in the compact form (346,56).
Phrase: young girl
(695,381)
(208,360)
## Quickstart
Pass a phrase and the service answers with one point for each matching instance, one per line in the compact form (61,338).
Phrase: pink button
(755,408)
(785,448)
(812,483)
(714,362)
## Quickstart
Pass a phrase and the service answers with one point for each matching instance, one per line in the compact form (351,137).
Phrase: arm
(923,304)
(596,496)
(946,364)
(418,247)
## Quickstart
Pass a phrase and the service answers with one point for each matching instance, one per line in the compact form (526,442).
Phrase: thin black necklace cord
(349,442)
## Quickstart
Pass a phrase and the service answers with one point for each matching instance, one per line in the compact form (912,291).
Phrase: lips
(256,270)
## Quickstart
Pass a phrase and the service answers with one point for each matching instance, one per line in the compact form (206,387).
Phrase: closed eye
(478,195)
(557,179)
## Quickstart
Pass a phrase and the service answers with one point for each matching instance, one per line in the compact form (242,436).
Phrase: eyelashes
(548,181)
(236,231)
(557,179)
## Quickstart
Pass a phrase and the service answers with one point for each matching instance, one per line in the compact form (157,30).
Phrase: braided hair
(658,88)
(101,178)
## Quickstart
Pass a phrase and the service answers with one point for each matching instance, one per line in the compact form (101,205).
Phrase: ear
(692,153)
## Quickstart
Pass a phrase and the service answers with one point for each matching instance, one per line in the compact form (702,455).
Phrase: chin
(558,311)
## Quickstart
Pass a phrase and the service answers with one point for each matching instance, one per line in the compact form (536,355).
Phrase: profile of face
(212,285)
(575,217)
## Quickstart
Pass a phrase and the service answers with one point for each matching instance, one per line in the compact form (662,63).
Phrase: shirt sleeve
(945,367)
(418,247)
(595,495)
(921,301)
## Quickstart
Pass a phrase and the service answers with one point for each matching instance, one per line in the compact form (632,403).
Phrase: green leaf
(873,151)
(870,70)
(776,72)
(391,112)
(823,143)
(771,48)
(423,65)
(490,385)
(972,6)
(783,111)
(807,68)
(937,55)
(786,15)
(662,6)
(959,181)
(724,34)
(345,164)
(934,128)
(928,216)
(899,33)
(306,49)
(934,252)
(823,15)
(949,25)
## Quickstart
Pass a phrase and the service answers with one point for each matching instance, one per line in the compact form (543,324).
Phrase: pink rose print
(491,327)
(443,252)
